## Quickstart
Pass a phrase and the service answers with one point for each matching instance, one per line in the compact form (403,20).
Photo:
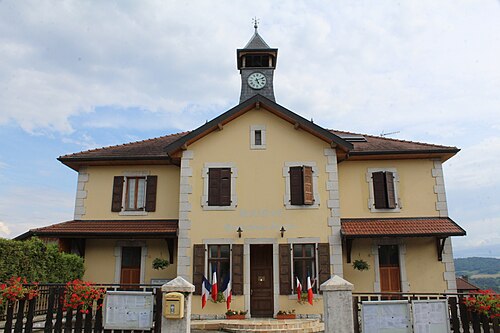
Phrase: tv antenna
(388,133)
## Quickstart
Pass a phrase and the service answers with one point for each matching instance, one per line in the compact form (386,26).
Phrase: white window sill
(232,207)
(315,296)
(133,213)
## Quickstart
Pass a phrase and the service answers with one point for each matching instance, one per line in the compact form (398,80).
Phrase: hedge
(38,262)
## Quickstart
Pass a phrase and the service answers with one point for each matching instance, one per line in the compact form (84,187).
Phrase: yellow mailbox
(173,305)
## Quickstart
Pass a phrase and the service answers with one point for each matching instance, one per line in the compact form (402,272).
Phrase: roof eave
(262,102)
(443,154)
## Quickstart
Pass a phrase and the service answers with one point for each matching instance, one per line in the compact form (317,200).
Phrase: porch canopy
(439,227)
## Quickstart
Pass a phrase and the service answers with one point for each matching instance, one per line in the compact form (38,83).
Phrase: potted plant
(233,314)
(160,263)
(284,314)
(360,265)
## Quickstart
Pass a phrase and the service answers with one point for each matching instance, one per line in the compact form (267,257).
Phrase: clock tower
(256,62)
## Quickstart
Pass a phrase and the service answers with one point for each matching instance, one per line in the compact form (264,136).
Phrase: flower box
(236,316)
(286,316)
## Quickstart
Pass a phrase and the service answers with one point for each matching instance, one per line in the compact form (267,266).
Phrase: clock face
(257,80)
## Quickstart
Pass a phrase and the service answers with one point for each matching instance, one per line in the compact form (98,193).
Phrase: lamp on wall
(239,231)
(282,230)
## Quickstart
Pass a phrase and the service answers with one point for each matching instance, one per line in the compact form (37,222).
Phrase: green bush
(37,261)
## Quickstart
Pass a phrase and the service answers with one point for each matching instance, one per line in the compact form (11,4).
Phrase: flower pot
(286,316)
(238,316)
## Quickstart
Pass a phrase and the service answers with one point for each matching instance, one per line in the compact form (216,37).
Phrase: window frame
(315,191)
(136,192)
(371,191)
(205,175)
(129,175)
(218,260)
(315,265)
(263,137)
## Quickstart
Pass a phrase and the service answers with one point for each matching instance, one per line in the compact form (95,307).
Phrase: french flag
(214,287)
(309,291)
(299,290)
(205,291)
(226,290)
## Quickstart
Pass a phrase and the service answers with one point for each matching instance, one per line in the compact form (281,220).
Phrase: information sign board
(431,316)
(128,310)
(386,317)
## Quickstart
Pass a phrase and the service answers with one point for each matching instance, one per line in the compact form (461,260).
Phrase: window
(219,191)
(257,60)
(304,264)
(301,258)
(225,259)
(301,185)
(219,262)
(219,186)
(258,137)
(383,190)
(134,194)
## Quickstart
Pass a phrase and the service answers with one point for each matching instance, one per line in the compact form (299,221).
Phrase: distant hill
(482,272)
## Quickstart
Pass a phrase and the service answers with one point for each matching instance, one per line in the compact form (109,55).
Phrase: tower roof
(256,42)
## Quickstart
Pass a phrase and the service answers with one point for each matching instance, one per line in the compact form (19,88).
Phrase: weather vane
(255,21)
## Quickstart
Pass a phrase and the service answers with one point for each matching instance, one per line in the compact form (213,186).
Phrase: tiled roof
(374,144)
(463,284)
(400,227)
(141,149)
(154,148)
(117,228)
(256,42)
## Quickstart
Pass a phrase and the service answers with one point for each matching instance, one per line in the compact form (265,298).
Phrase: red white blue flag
(309,291)
(214,287)
(299,290)
(205,291)
(226,291)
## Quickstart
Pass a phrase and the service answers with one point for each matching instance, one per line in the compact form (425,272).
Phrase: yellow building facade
(265,199)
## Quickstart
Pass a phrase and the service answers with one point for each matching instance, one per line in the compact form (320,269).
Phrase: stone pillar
(337,300)
(178,325)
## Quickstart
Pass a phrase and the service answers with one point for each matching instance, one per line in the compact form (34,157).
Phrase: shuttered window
(301,185)
(301,261)
(140,193)
(383,190)
(218,260)
(219,186)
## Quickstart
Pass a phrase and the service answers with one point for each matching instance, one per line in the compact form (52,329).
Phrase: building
(263,196)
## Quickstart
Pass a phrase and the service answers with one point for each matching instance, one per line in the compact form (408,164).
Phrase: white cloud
(480,241)
(4,229)
(476,166)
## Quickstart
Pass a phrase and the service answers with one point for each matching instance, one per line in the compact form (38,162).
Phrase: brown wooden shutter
(198,266)
(379,192)
(308,185)
(237,279)
(285,269)
(116,201)
(296,186)
(389,184)
(151,184)
(213,187)
(323,262)
(225,187)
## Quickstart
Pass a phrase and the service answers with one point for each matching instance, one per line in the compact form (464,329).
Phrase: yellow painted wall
(415,188)
(423,270)
(100,260)
(100,188)
(260,185)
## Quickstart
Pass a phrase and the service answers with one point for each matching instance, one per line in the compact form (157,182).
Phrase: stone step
(261,325)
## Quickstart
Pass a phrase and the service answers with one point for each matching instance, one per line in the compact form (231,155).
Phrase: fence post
(184,324)
(337,300)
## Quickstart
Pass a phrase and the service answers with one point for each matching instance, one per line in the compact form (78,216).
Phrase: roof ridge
(392,139)
(126,144)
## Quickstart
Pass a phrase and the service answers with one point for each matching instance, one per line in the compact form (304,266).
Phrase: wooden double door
(390,277)
(261,280)
(131,265)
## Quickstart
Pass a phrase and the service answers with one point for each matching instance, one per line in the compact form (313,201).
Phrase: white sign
(128,310)
(386,317)
(431,316)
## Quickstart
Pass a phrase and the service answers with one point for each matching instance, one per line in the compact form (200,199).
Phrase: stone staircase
(259,325)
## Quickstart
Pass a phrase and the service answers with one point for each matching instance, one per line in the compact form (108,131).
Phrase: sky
(76,75)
